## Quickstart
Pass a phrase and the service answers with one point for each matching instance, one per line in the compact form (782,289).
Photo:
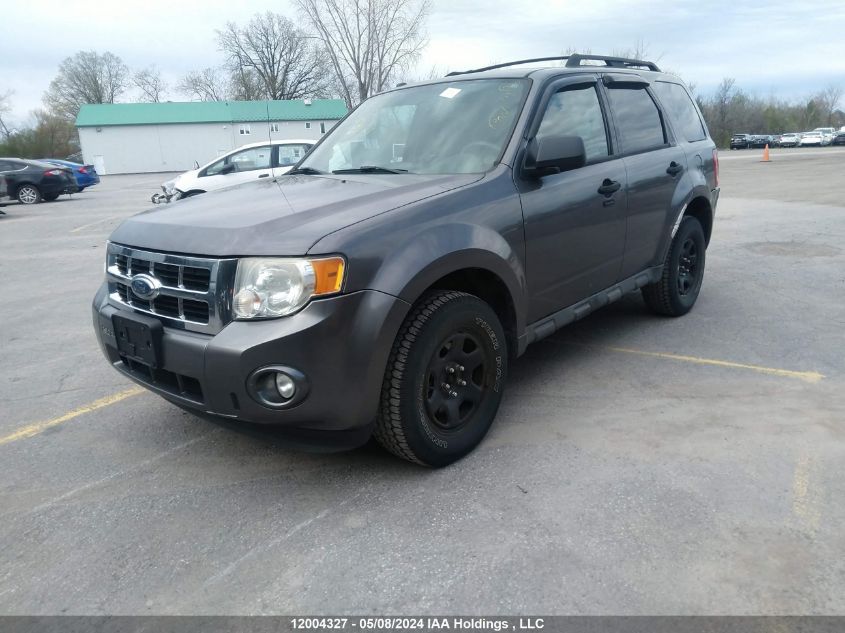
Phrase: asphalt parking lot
(639,465)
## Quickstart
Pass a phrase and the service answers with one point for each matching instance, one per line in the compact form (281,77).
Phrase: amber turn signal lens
(328,275)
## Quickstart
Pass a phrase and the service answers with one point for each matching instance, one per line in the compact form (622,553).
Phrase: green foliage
(51,137)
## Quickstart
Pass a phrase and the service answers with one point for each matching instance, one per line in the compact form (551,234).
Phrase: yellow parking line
(38,427)
(806,376)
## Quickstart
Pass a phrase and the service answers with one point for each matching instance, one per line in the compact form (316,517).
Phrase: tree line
(729,110)
(349,49)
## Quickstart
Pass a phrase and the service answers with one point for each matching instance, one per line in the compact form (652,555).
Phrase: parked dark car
(760,141)
(85,175)
(838,139)
(4,191)
(31,181)
(378,292)
(741,141)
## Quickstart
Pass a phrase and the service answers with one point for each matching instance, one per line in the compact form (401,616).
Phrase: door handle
(263,175)
(674,169)
(609,187)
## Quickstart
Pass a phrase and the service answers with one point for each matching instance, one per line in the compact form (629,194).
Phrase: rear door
(574,233)
(655,167)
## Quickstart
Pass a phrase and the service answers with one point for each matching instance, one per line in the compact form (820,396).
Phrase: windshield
(460,127)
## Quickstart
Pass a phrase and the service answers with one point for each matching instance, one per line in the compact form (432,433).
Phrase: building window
(308,125)
(244,129)
(322,128)
(274,127)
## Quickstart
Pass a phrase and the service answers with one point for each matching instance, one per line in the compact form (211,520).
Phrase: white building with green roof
(125,138)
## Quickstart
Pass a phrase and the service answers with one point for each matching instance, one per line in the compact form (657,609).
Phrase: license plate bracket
(138,338)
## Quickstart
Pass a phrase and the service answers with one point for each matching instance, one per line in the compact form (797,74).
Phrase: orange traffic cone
(766,154)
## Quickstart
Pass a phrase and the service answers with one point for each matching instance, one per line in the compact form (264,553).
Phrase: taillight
(53,172)
(716,167)
(82,170)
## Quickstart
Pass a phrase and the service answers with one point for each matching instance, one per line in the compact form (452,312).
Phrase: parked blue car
(86,175)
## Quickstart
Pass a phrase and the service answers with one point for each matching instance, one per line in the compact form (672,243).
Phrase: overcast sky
(785,48)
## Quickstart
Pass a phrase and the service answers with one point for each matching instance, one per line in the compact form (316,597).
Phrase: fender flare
(448,248)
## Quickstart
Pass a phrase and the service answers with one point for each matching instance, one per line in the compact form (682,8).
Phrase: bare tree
(86,77)
(5,108)
(369,42)
(286,62)
(149,82)
(208,84)
(829,99)
(245,85)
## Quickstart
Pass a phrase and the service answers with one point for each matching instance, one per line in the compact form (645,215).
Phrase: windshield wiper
(308,171)
(370,169)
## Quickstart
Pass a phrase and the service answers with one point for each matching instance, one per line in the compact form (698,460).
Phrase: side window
(681,110)
(577,112)
(252,158)
(637,118)
(214,168)
(290,154)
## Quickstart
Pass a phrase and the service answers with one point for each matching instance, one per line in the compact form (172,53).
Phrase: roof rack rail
(572,61)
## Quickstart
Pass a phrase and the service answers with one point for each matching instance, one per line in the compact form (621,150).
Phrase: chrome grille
(195,292)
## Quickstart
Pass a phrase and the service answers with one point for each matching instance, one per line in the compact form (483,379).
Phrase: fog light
(285,385)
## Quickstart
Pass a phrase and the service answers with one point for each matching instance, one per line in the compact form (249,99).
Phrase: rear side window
(637,119)
(681,110)
(577,112)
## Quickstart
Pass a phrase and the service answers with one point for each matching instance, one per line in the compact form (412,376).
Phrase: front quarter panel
(405,251)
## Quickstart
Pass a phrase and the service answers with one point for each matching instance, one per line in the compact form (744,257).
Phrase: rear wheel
(444,379)
(29,194)
(683,272)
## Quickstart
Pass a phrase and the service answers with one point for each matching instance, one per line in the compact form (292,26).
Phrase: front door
(239,167)
(574,233)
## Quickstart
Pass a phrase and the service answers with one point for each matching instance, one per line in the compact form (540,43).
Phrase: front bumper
(341,344)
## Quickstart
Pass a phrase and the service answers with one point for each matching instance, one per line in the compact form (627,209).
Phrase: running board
(552,323)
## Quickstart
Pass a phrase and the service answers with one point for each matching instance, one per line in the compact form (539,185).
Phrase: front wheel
(683,272)
(29,194)
(444,379)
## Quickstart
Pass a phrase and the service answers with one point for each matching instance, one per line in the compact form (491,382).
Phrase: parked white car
(244,164)
(816,139)
(790,139)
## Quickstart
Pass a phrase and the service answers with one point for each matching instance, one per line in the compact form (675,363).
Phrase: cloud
(783,48)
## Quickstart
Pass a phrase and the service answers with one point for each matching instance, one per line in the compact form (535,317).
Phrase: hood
(191,175)
(285,216)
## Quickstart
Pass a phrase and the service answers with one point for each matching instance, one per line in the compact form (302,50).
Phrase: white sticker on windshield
(450,92)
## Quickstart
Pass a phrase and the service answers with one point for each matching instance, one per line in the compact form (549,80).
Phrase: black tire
(49,197)
(683,272)
(445,334)
(28,194)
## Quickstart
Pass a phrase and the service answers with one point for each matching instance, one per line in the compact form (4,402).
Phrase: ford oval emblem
(145,287)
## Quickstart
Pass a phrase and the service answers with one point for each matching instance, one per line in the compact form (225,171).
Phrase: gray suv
(382,287)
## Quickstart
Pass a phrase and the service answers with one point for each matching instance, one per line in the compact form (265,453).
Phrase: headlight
(273,287)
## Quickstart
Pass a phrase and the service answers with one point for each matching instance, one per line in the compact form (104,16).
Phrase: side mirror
(228,169)
(554,154)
